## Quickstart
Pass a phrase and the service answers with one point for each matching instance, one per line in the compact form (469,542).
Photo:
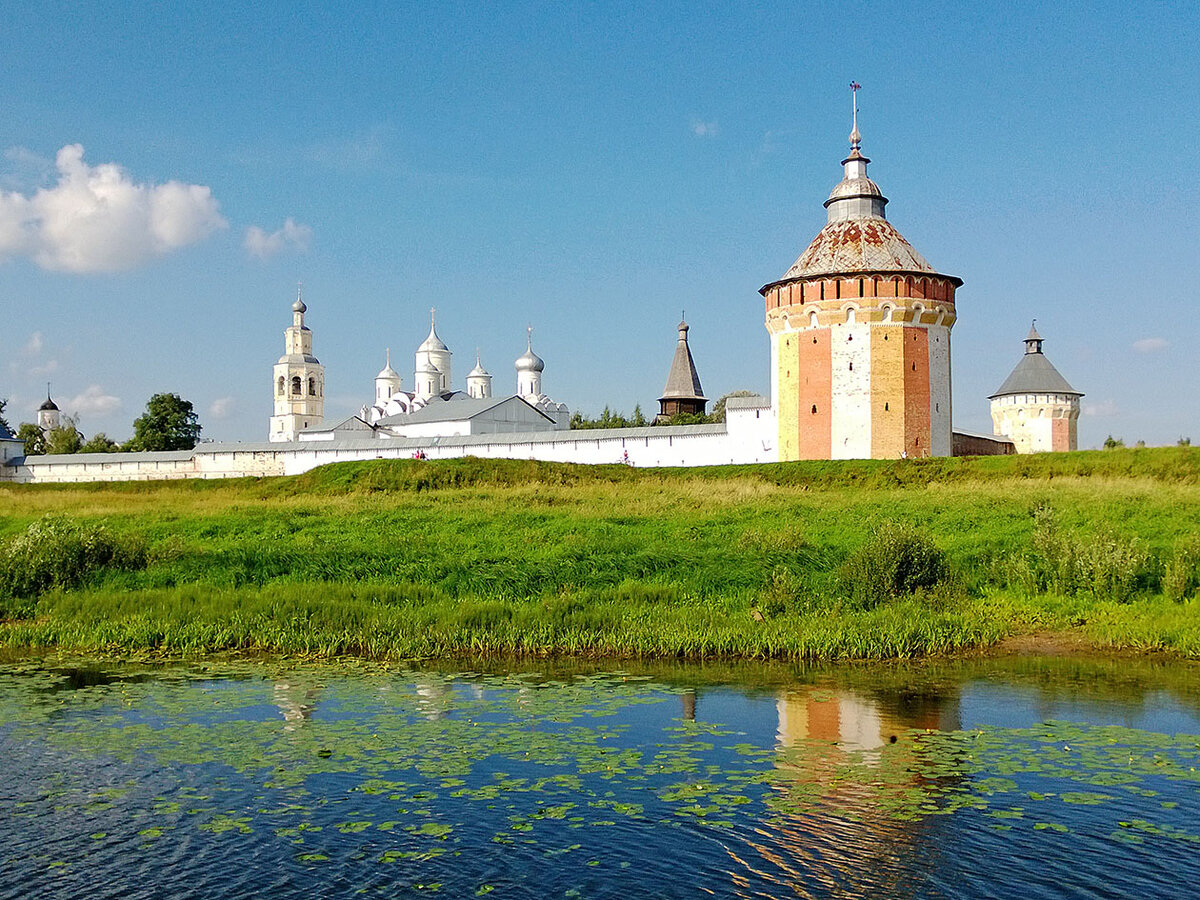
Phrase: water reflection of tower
(835,795)
(435,696)
(297,699)
(688,699)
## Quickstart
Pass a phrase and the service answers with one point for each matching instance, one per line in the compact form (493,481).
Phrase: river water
(1002,778)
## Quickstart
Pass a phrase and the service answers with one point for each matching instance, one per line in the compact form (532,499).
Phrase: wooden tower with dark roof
(683,394)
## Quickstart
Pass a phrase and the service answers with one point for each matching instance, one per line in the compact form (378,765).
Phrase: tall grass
(426,558)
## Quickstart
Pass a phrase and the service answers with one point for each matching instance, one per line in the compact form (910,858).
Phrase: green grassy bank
(821,560)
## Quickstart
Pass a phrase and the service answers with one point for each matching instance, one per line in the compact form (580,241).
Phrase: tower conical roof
(1034,374)
(683,381)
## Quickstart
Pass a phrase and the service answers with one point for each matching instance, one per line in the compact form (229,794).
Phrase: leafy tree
(64,439)
(35,441)
(4,421)
(1140,444)
(169,423)
(99,443)
(1184,442)
(639,420)
(1112,443)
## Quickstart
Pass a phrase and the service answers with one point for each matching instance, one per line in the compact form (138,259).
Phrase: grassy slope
(399,558)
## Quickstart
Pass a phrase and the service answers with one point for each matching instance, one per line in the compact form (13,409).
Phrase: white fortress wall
(748,437)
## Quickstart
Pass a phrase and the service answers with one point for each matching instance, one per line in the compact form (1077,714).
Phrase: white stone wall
(939,390)
(1029,420)
(749,436)
(850,358)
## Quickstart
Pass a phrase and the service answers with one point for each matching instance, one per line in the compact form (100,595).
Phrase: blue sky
(590,170)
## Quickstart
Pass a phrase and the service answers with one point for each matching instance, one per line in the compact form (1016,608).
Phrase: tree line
(610,419)
(169,423)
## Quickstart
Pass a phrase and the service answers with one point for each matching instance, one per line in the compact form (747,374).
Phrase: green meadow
(816,560)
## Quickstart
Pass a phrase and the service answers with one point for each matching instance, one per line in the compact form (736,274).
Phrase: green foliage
(1104,564)
(64,439)
(898,560)
(56,552)
(169,423)
(610,419)
(472,556)
(99,443)
(34,438)
(3,421)
(1112,443)
(1181,571)
(1184,442)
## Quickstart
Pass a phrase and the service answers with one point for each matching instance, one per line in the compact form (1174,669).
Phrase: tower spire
(855,137)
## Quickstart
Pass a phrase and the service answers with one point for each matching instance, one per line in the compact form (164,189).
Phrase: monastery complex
(860,367)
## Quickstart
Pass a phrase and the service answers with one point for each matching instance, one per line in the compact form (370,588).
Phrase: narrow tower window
(280,388)
(814,409)
(312,387)
(297,387)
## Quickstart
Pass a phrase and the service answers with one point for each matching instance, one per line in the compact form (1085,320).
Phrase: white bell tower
(299,381)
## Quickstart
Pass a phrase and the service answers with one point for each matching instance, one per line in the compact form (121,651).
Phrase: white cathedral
(432,408)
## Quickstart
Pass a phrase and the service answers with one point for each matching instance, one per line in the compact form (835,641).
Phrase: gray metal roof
(683,382)
(461,440)
(1035,374)
(758,401)
(458,408)
(66,459)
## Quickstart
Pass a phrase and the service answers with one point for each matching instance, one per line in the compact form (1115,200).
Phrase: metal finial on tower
(529,337)
(432,316)
(47,390)
(855,137)
(388,356)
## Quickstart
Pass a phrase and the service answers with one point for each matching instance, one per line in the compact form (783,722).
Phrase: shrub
(56,552)
(1105,564)
(1179,572)
(896,562)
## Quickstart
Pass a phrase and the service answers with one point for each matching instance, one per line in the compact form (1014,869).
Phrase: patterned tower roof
(857,237)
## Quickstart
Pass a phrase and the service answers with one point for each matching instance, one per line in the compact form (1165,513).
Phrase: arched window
(812,319)
(814,412)
(280,387)
(297,386)
(312,387)
(887,313)
(850,316)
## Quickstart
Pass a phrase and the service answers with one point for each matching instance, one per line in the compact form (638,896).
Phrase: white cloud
(92,402)
(95,219)
(1151,345)
(34,345)
(49,367)
(700,128)
(1102,410)
(221,408)
(292,236)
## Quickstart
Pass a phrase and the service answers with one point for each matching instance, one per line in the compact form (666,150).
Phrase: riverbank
(401,559)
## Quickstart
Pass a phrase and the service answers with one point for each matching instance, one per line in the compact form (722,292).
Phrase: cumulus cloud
(92,402)
(96,219)
(292,236)
(221,408)
(1102,410)
(1151,345)
(700,128)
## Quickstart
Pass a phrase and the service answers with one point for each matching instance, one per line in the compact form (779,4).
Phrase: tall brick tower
(860,335)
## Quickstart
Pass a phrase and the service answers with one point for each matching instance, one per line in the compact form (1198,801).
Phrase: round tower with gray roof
(433,355)
(1036,406)
(860,335)
(529,368)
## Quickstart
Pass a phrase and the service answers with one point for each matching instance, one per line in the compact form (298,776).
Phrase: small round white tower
(529,372)
(48,417)
(433,352)
(479,381)
(387,382)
